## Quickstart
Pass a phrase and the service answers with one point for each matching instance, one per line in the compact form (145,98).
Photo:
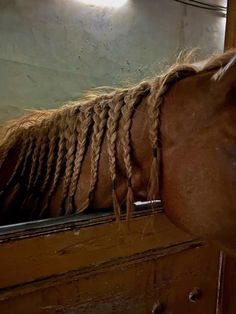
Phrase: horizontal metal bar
(57,224)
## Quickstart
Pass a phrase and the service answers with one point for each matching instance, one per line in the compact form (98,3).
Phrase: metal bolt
(194,295)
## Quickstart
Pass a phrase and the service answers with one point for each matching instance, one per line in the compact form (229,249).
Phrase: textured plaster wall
(52,51)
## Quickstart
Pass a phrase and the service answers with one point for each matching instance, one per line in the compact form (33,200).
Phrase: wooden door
(94,265)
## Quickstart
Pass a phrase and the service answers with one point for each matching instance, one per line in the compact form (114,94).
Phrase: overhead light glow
(105,3)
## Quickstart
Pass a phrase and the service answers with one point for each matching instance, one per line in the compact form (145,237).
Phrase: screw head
(158,308)
(194,295)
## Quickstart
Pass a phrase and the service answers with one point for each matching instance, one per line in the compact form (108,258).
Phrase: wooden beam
(227,278)
(148,282)
(230,34)
(45,254)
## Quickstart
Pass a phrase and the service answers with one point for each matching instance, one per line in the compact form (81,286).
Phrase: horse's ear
(226,77)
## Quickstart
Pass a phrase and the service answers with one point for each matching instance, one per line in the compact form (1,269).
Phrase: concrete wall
(53,50)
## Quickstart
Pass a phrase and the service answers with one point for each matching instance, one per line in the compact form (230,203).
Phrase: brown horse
(173,137)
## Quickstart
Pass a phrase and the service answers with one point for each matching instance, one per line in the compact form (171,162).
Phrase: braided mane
(52,143)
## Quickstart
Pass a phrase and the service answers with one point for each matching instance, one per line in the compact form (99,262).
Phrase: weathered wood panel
(136,284)
(79,247)
(227,300)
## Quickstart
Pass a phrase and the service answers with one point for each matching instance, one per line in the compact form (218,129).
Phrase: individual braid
(82,129)
(53,137)
(34,164)
(155,102)
(99,123)
(71,138)
(126,122)
(29,151)
(159,88)
(42,158)
(24,173)
(114,115)
(59,160)
(132,100)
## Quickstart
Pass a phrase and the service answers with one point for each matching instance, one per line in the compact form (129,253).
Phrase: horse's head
(199,153)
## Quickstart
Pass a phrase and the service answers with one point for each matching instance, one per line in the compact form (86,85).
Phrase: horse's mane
(52,143)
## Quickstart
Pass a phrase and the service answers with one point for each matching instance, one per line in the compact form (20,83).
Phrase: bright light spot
(105,3)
